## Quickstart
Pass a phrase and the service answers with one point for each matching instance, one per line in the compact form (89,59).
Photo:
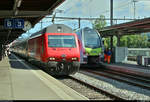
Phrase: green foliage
(114,41)
(130,41)
(107,42)
(135,41)
(99,23)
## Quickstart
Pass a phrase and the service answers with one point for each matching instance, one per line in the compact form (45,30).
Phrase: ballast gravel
(84,90)
(120,89)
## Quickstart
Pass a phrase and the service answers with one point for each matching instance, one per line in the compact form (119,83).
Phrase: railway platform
(129,67)
(20,81)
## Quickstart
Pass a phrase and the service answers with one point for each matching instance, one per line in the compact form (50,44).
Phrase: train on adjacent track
(56,48)
(92,46)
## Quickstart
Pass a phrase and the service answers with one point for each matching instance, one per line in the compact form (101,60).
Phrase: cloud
(146,5)
(84,7)
(142,8)
(94,8)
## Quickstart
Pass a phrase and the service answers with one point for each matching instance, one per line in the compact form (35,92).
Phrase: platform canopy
(28,10)
(133,27)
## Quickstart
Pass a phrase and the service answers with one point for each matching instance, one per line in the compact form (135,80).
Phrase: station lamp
(19,3)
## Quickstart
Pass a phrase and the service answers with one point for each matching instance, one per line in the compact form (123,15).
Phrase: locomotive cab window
(91,39)
(61,41)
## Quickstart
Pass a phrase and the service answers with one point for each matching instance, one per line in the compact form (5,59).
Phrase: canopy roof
(30,10)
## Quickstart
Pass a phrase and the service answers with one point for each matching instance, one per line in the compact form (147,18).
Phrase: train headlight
(74,58)
(51,58)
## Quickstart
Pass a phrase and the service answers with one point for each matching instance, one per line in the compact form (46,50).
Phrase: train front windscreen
(91,39)
(61,41)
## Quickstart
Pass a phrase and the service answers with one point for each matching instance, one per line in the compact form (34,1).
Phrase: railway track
(123,77)
(82,88)
(121,84)
(97,89)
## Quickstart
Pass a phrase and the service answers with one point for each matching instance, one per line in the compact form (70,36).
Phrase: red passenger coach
(55,47)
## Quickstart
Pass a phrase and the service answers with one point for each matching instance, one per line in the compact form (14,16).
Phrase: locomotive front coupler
(52,64)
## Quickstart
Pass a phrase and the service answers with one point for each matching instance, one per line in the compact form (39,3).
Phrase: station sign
(14,23)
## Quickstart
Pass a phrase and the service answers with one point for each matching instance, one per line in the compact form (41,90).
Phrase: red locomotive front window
(61,41)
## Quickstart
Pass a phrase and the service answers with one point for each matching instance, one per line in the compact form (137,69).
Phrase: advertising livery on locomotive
(56,47)
(92,45)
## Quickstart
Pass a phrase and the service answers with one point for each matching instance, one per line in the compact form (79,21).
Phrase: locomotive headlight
(51,58)
(74,58)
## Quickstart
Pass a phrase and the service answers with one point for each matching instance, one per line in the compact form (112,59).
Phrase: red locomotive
(55,47)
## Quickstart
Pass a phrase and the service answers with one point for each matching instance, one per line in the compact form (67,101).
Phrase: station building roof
(133,27)
(30,10)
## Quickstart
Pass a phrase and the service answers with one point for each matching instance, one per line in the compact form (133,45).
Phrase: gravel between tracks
(84,90)
(129,68)
(123,90)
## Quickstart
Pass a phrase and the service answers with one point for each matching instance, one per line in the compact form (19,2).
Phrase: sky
(92,9)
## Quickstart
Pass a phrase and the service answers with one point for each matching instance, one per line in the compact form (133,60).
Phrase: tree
(99,23)
(134,41)
(130,41)
(107,42)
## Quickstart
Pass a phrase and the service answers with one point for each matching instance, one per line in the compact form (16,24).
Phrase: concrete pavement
(18,81)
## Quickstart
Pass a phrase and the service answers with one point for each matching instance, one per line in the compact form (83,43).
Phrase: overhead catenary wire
(90,19)
(87,18)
